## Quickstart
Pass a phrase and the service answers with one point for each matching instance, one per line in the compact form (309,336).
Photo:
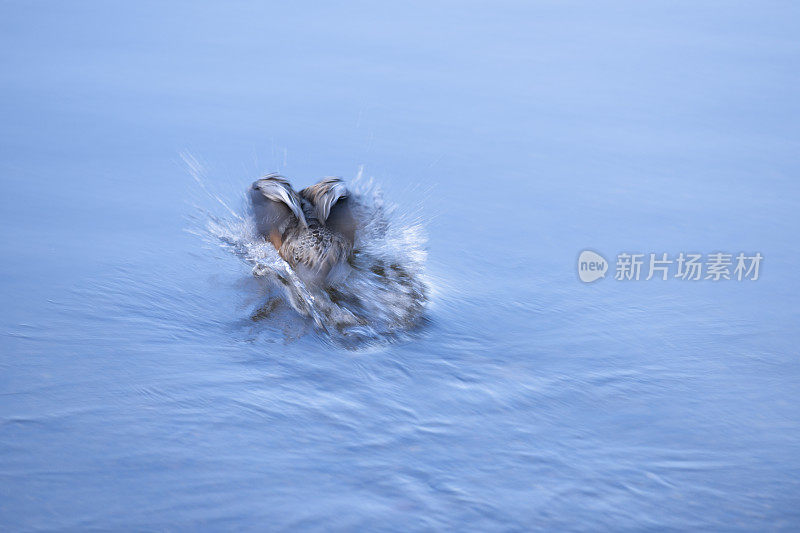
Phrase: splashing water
(384,292)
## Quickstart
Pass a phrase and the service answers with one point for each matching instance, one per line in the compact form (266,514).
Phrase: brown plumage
(313,230)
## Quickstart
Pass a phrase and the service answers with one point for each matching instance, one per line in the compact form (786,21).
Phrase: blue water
(140,389)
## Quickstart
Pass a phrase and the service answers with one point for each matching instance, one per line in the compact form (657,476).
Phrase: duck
(313,230)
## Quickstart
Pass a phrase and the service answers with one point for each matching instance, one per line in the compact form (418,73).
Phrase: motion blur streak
(149,381)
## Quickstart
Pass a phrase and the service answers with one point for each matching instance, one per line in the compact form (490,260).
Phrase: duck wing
(331,202)
(275,206)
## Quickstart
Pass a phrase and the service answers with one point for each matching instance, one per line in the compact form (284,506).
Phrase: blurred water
(139,393)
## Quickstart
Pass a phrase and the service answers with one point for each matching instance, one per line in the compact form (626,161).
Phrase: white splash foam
(384,292)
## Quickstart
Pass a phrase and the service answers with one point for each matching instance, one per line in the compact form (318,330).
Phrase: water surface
(138,391)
